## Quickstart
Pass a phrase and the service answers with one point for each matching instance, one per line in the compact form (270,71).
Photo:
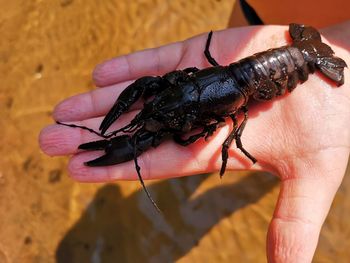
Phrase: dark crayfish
(185,100)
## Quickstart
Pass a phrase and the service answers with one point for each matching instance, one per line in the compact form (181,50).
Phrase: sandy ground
(47,52)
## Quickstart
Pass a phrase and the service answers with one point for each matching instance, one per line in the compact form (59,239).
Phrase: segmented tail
(316,53)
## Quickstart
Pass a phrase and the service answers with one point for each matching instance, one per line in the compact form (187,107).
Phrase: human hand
(302,137)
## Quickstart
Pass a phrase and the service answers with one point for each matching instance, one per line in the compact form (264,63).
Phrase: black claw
(111,158)
(94,146)
(108,159)
(118,150)
(112,115)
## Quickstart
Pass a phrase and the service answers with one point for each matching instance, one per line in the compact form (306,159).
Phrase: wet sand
(47,52)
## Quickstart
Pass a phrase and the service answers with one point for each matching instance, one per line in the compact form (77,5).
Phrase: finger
(166,161)
(301,209)
(88,105)
(56,140)
(155,61)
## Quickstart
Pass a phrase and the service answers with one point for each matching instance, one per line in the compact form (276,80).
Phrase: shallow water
(47,52)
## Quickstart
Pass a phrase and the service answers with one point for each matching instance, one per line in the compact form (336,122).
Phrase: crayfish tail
(333,68)
(299,32)
(316,53)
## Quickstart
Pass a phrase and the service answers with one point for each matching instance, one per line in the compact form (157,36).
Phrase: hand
(302,137)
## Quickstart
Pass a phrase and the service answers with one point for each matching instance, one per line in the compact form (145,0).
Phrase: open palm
(302,137)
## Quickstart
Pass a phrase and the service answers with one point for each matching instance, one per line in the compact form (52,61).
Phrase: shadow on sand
(118,229)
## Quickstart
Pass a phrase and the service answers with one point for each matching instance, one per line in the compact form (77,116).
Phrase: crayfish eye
(153,125)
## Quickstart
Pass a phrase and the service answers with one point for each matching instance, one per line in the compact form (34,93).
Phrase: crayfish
(192,99)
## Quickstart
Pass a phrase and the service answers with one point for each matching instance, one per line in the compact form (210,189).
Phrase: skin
(302,137)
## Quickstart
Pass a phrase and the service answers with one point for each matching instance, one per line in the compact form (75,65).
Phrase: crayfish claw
(104,160)
(142,87)
(117,150)
(111,116)
(94,146)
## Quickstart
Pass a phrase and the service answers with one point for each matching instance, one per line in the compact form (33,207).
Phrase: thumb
(301,209)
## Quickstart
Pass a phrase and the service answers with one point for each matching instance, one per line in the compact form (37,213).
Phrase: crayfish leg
(239,135)
(207,132)
(226,145)
(235,134)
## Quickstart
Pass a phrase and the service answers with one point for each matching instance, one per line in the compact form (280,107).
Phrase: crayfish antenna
(140,178)
(144,186)
(82,127)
